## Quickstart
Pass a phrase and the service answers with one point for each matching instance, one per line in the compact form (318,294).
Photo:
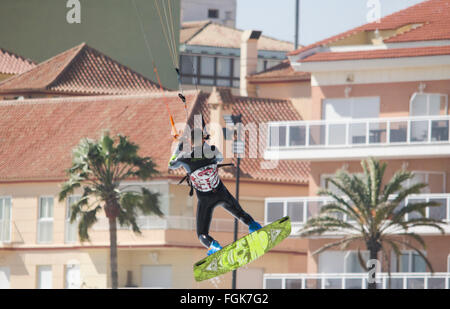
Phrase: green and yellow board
(243,251)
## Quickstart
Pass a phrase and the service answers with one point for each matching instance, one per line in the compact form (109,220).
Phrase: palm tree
(99,168)
(376,214)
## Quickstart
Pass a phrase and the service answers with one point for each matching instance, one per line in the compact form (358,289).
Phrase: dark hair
(198,132)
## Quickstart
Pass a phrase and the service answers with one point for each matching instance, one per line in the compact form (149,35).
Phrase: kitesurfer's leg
(233,207)
(205,209)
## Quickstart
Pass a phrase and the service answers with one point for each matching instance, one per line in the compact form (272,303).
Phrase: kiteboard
(243,251)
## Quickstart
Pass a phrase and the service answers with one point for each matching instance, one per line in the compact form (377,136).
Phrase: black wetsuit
(210,190)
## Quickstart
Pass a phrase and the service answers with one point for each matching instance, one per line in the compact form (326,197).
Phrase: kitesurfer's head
(197,137)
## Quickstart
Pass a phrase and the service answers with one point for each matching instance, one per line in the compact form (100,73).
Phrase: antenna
(297,19)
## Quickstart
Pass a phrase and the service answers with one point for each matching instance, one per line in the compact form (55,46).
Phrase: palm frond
(341,242)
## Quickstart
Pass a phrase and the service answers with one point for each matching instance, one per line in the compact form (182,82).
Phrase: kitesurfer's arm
(174,161)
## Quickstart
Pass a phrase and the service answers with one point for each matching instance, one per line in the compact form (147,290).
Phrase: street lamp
(238,148)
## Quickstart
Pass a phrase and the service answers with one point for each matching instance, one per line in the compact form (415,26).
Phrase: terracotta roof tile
(430,20)
(281,72)
(258,111)
(37,136)
(208,33)
(79,70)
(11,63)
(377,54)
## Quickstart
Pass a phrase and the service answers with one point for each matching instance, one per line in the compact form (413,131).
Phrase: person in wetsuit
(202,172)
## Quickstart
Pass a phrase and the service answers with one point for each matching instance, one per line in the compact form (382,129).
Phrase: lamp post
(238,148)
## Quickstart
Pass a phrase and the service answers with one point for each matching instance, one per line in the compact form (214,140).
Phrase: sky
(319,19)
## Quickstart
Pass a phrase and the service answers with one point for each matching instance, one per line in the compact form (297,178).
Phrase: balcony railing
(359,132)
(355,133)
(175,223)
(301,209)
(357,281)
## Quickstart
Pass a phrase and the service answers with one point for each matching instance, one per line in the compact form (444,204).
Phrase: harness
(187,178)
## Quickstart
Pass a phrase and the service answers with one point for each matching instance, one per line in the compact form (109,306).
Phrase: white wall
(196,10)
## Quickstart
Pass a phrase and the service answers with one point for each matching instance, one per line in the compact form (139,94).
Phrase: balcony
(387,138)
(357,281)
(174,223)
(301,209)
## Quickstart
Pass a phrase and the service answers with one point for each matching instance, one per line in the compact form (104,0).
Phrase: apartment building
(210,55)
(47,110)
(219,11)
(379,90)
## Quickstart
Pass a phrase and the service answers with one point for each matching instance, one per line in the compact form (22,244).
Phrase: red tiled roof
(281,72)
(431,17)
(11,63)
(208,33)
(37,136)
(81,70)
(383,53)
(259,111)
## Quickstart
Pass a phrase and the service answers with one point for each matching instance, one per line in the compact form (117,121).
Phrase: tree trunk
(373,247)
(113,252)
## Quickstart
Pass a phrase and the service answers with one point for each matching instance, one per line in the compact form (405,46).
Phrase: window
(156,276)
(223,67)
(435,180)
(210,70)
(325,184)
(188,65)
(331,262)
(71,229)
(273,284)
(207,65)
(408,262)
(213,13)
(72,276)
(274,211)
(428,104)
(5,219)
(236,68)
(352,264)
(341,261)
(44,277)
(45,220)
(228,15)
(349,108)
(4,277)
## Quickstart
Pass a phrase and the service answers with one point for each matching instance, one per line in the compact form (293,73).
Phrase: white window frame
(38,276)
(351,101)
(10,217)
(67,268)
(266,209)
(410,256)
(428,94)
(448,264)
(67,223)
(7,271)
(347,255)
(45,219)
(427,177)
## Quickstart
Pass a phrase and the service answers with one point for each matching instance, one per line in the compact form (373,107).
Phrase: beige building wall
(177,247)
(394,97)
(440,166)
